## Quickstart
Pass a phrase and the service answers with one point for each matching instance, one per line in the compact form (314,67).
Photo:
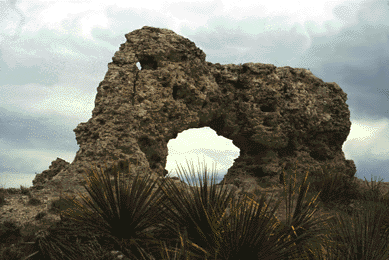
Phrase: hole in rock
(200,148)
(138,65)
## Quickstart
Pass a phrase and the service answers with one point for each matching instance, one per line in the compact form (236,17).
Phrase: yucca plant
(300,217)
(201,216)
(363,235)
(198,222)
(123,216)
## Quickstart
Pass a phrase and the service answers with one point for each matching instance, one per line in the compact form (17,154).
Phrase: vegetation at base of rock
(189,235)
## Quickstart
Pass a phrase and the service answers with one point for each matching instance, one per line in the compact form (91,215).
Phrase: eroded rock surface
(56,167)
(276,116)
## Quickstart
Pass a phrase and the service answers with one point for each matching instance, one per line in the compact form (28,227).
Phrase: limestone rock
(56,167)
(274,115)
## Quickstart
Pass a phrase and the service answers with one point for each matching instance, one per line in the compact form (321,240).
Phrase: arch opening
(197,149)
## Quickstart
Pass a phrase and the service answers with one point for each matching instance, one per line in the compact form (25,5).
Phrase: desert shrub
(2,198)
(34,201)
(40,215)
(11,253)
(25,191)
(9,232)
(59,205)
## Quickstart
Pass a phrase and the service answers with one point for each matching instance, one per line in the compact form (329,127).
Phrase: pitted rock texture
(274,115)
(56,167)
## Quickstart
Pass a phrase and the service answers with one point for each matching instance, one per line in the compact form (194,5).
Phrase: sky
(54,54)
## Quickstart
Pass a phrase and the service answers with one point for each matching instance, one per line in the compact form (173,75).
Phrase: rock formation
(274,115)
(55,168)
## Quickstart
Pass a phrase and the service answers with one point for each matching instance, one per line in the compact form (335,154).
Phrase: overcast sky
(54,54)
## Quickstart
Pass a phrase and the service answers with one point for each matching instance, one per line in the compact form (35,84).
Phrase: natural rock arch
(274,115)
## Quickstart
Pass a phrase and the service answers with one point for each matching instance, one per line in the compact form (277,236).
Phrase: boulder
(56,167)
(276,116)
